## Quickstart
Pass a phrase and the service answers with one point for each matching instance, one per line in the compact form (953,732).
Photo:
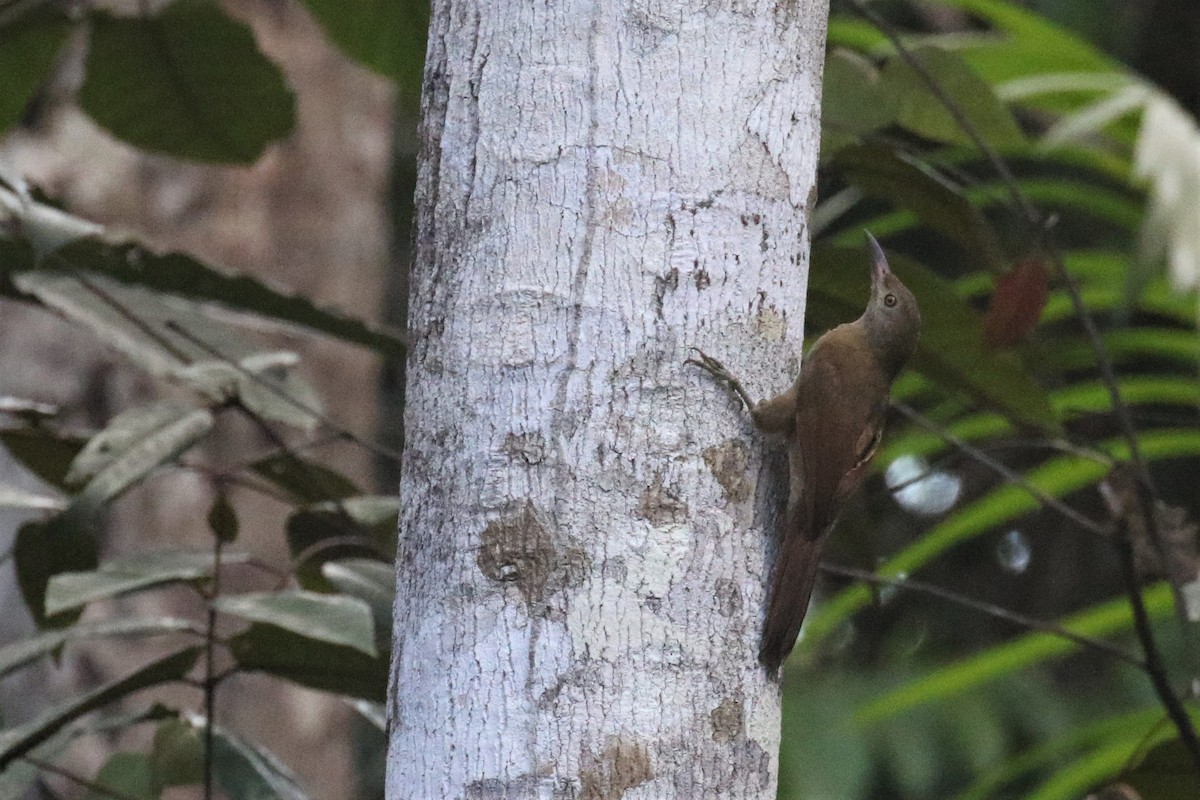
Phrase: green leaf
(134,444)
(16,742)
(127,775)
(310,662)
(178,340)
(357,526)
(388,36)
(63,543)
(12,497)
(306,481)
(131,573)
(187,277)
(177,755)
(373,582)
(1098,621)
(853,101)
(1058,477)
(17,654)
(124,432)
(265,383)
(921,112)
(335,619)
(1132,726)
(885,173)
(44,451)
(1074,779)
(245,771)
(188,82)
(1069,402)
(28,48)
(1167,345)
(1167,772)
(951,351)
(79,244)
(1033,45)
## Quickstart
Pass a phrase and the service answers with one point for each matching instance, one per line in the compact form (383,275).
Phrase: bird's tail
(791,588)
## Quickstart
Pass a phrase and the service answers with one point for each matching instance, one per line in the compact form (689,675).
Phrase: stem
(1045,498)
(1155,667)
(990,609)
(210,677)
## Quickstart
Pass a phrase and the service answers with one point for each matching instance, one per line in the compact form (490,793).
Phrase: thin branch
(90,785)
(210,684)
(328,422)
(990,609)
(1156,668)
(1045,498)
(124,312)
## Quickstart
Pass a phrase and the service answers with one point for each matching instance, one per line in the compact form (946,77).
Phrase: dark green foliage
(315,664)
(28,48)
(189,82)
(388,36)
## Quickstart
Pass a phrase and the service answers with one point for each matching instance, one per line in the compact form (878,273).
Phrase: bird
(832,418)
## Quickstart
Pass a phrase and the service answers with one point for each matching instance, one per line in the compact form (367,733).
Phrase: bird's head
(892,318)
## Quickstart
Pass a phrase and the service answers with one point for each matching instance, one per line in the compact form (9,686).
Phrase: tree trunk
(583,540)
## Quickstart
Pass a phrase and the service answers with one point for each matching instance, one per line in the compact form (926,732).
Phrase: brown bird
(833,419)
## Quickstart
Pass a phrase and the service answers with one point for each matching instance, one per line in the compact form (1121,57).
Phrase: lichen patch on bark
(726,720)
(622,765)
(519,548)
(527,447)
(729,462)
(660,506)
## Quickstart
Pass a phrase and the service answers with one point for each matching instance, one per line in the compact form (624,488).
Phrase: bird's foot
(721,373)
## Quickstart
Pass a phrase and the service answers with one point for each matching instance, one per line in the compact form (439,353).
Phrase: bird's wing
(839,420)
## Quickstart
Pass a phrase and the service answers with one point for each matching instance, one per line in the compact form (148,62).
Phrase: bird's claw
(721,373)
(710,365)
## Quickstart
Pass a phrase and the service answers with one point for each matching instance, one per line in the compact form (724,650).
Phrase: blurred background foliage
(892,693)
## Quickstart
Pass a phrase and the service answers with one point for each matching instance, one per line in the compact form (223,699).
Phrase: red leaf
(1016,304)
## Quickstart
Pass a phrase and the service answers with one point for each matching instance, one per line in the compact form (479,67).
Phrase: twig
(90,785)
(124,312)
(1155,667)
(210,683)
(341,431)
(990,609)
(1045,498)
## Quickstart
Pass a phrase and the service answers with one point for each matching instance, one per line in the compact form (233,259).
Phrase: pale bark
(583,539)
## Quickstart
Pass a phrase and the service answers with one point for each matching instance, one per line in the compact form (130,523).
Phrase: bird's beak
(878,259)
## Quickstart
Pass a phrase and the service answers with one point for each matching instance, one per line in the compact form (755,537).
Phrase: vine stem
(990,609)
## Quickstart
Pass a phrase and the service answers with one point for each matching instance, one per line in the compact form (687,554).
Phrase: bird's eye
(889,300)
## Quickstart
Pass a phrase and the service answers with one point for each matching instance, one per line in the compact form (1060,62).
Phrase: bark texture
(584,532)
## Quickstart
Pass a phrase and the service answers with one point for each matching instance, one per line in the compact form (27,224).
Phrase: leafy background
(891,693)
